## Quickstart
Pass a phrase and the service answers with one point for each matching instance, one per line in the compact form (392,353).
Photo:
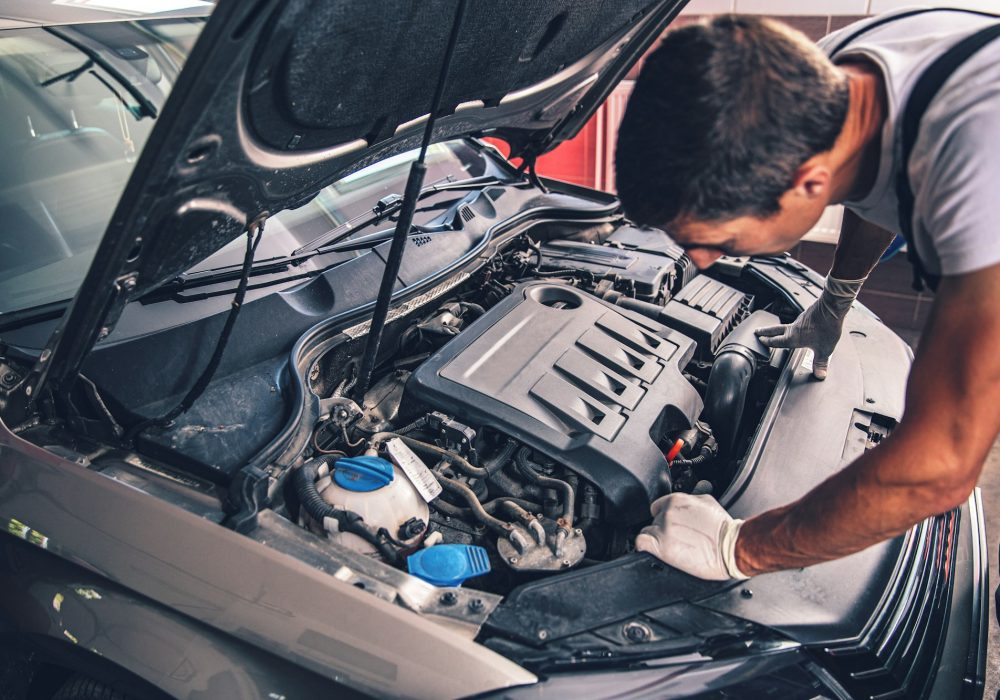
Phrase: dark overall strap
(924,90)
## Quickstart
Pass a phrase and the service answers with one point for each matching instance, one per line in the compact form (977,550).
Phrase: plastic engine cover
(588,384)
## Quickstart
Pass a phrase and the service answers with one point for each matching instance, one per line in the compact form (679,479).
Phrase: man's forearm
(927,466)
(860,506)
(859,249)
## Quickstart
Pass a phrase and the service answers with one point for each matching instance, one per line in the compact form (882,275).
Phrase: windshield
(76,106)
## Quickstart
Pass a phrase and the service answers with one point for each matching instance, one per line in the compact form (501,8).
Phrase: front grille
(897,655)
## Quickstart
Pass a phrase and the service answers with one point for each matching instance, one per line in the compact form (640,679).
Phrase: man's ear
(812,179)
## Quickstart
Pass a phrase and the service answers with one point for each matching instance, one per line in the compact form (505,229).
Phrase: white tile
(802,7)
(707,7)
(879,6)
(827,229)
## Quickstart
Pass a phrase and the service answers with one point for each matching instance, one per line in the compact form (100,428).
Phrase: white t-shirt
(954,168)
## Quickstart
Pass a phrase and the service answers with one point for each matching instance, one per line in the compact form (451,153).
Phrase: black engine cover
(591,385)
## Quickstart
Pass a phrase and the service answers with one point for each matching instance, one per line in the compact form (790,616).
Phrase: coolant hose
(569,496)
(479,513)
(427,448)
(304,480)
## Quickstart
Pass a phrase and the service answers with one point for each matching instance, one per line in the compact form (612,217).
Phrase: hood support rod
(411,195)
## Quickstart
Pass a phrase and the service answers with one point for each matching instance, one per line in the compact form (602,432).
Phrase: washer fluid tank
(377,491)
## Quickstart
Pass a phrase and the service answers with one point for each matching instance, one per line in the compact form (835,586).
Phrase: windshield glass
(77,105)
(74,115)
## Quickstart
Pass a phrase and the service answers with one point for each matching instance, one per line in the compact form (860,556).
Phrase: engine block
(591,385)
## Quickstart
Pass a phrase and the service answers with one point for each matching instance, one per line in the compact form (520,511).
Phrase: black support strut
(411,195)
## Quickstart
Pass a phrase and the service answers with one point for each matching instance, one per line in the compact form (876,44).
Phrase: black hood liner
(279,99)
(382,73)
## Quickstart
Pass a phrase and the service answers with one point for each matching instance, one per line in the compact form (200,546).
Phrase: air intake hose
(735,363)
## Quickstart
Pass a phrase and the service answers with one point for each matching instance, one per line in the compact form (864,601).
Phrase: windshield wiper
(70,75)
(386,207)
(330,242)
(146,106)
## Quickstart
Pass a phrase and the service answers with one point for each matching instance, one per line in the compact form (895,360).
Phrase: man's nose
(703,257)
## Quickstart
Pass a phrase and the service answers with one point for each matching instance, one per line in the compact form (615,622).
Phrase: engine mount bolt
(746,593)
(512,560)
(565,562)
(449,598)
(543,634)
(578,531)
(476,605)
(637,632)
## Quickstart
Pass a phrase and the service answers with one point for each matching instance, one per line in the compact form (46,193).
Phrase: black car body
(549,352)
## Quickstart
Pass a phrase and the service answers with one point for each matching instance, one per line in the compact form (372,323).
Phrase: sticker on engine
(416,471)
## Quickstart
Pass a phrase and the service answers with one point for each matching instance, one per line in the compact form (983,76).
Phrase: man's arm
(860,246)
(930,463)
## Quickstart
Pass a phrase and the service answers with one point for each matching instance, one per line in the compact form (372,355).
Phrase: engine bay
(523,420)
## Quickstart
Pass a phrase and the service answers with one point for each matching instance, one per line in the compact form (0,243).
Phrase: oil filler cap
(448,564)
(362,473)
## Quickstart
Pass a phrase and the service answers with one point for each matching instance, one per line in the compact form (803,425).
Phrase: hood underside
(279,99)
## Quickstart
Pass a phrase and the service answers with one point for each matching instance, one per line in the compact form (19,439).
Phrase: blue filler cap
(362,473)
(449,564)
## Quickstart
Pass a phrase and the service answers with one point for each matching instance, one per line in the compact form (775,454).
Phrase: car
(277,422)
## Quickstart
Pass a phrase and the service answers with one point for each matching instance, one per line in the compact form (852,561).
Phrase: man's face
(707,241)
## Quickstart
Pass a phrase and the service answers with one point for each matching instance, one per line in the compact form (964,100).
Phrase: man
(738,134)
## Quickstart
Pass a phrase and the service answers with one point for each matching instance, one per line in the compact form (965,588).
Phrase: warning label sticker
(416,471)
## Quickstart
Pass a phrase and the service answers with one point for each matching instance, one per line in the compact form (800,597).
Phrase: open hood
(279,98)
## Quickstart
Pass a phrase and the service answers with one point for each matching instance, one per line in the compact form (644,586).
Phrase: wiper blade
(146,106)
(386,207)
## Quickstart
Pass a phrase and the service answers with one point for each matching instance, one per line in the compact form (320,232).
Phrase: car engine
(527,418)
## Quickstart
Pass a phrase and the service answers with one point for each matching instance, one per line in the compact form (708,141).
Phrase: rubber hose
(478,512)
(426,447)
(569,496)
(726,396)
(490,506)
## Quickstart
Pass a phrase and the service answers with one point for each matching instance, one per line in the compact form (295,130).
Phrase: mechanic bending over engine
(739,133)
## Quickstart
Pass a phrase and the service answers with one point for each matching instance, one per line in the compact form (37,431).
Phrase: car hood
(280,98)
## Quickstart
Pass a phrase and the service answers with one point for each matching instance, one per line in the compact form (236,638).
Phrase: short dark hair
(722,115)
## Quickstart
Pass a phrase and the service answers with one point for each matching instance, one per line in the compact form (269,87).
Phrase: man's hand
(818,327)
(694,534)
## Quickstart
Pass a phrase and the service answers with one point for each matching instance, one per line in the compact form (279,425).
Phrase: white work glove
(818,327)
(694,534)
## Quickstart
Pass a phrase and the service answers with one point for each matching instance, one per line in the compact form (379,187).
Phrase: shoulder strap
(924,90)
(889,19)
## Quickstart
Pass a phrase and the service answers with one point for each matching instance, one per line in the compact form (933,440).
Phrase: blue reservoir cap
(362,473)
(448,564)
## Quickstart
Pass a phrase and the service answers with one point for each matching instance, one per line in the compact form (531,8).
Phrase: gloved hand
(819,326)
(694,534)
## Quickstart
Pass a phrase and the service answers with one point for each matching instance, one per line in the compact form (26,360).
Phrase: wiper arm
(326,243)
(70,75)
(387,206)
(146,107)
